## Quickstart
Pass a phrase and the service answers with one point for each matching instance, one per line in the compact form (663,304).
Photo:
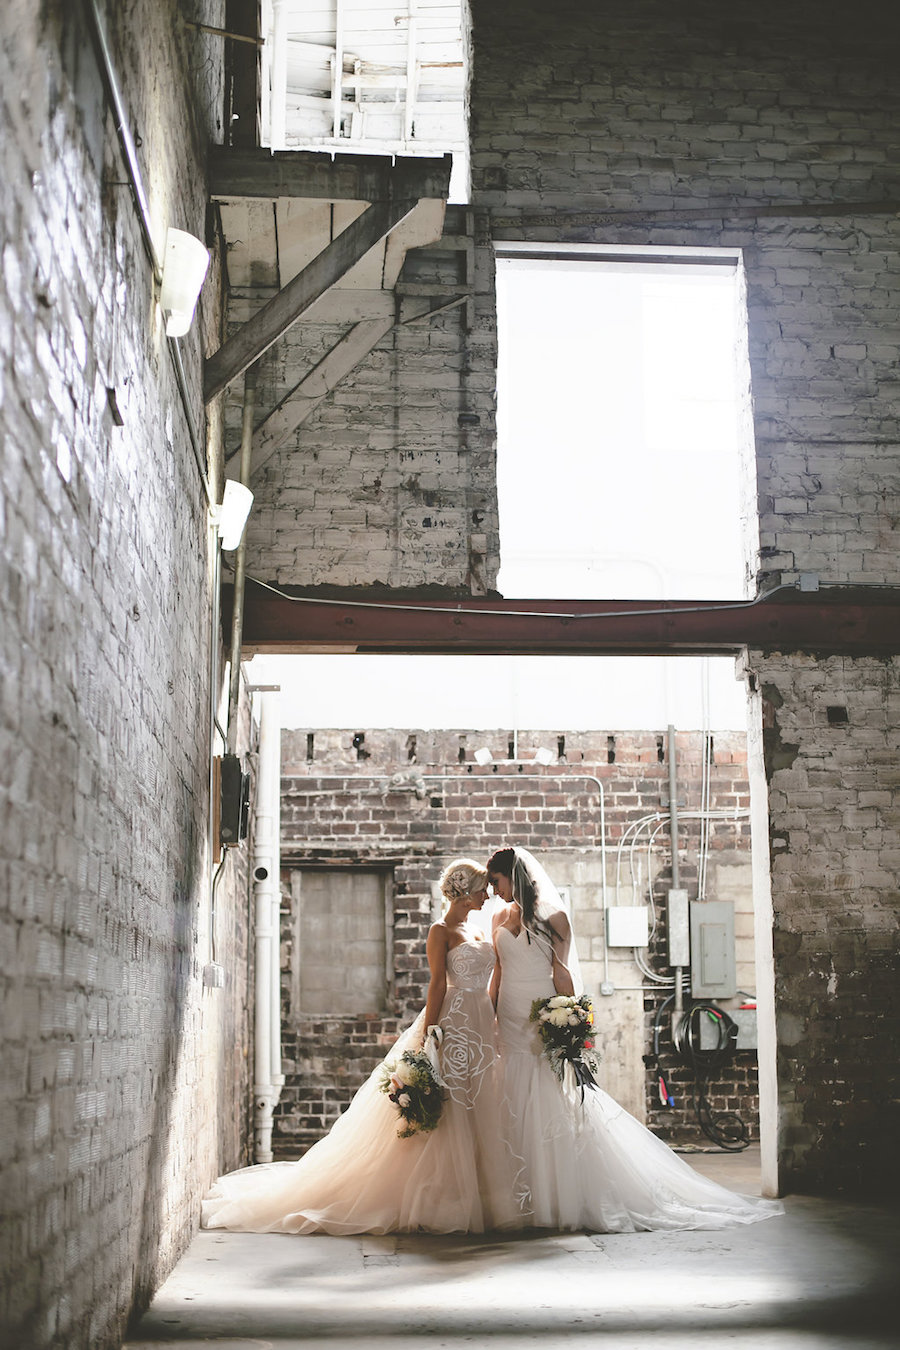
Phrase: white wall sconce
(543,756)
(483,756)
(230,516)
(184,268)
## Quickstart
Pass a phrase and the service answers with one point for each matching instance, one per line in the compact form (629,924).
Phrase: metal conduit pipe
(213,728)
(139,193)
(237,615)
(268,1079)
(516,777)
(678,1007)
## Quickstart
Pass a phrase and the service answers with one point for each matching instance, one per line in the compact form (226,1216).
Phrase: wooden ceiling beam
(306,396)
(284,309)
(310,173)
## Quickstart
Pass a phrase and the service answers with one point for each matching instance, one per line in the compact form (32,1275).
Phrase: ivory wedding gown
(362,1178)
(589,1164)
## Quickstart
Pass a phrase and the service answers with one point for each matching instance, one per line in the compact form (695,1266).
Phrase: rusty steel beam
(853,621)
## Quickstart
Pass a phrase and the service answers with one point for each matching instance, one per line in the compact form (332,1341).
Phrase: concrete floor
(822,1277)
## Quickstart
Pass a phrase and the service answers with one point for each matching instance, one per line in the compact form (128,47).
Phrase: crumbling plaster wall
(771,130)
(125,1087)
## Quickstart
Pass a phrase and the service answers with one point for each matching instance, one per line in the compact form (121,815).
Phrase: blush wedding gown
(362,1178)
(588,1163)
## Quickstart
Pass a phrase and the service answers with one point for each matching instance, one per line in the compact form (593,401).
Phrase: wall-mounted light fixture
(184,267)
(483,756)
(230,516)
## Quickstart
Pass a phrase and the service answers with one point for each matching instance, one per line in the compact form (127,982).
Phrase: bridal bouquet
(412,1086)
(565,1025)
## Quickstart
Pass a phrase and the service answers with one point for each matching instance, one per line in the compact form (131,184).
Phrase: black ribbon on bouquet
(583,1076)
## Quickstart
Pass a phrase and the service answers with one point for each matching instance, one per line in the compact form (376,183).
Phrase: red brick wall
(411,800)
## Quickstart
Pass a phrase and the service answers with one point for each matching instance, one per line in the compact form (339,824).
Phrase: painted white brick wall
(381,485)
(124,1086)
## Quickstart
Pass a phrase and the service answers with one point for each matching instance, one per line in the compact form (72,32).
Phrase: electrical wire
(521,613)
(630,840)
(212,913)
(723,1128)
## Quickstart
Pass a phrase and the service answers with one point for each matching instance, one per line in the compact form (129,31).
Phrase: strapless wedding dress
(362,1178)
(588,1163)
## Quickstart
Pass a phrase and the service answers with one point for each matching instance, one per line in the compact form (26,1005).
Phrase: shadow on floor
(820,1277)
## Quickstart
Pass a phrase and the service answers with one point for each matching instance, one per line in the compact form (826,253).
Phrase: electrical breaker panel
(713,973)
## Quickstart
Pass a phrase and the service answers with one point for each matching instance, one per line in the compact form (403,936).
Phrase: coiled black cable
(724,1128)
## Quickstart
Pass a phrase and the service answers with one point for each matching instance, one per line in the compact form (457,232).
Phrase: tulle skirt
(588,1163)
(362,1178)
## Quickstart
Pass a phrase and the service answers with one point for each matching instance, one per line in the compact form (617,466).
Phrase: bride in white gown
(588,1163)
(362,1178)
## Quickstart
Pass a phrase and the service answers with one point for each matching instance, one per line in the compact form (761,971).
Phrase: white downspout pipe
(268,1079)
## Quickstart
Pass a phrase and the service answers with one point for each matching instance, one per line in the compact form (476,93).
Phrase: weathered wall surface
(123,1078)
(406,802)
(770,130)
(833,763)
(390,482)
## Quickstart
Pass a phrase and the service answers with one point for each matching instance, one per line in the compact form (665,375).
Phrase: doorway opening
(569,757)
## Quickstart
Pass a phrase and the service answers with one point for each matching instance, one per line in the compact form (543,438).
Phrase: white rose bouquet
(565,1026)
(411,1084)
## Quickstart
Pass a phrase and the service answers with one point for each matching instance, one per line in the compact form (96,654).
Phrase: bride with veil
(588,1163)
(366,1176)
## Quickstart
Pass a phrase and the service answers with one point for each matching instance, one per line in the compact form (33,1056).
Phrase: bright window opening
(625,445)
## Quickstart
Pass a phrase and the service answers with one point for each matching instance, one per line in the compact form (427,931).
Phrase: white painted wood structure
(372,76)
(283,214)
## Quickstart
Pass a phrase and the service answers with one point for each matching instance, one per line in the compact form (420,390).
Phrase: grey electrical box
(679,936)
(745,1019)
(713,972)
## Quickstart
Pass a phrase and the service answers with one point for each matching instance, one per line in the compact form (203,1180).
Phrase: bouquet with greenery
(565,1025)
(411,1084)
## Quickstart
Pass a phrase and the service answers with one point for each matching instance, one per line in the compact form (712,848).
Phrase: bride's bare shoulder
(501,917)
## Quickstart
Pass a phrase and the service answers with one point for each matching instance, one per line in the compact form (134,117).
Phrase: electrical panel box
(745,1018)
(627,926)
(713,973)
(234,801)
(678,928)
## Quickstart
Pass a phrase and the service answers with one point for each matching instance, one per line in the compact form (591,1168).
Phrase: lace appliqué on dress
(466,1055)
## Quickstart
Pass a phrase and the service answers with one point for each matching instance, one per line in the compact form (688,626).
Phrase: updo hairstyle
(461,877)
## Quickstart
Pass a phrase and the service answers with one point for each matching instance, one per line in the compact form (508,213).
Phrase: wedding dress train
(363,1178)
(589,1164)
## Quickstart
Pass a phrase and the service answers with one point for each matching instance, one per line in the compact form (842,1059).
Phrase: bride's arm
(562,941)
(436,950)
(494,988)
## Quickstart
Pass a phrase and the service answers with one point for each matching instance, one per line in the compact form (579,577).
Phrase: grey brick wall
(833,752)
(771,130)
(123,1088)
(383,484)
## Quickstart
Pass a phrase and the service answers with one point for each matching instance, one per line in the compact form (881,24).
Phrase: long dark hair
(504,862)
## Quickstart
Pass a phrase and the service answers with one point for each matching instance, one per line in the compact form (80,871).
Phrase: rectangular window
(626,466)
(342,941)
